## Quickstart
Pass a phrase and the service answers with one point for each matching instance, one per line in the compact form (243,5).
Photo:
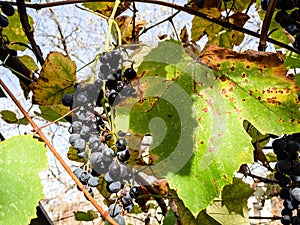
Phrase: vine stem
(103,213)
(184,8)
(111,20)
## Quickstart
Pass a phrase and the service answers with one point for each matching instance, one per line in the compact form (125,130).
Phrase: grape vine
(162,130)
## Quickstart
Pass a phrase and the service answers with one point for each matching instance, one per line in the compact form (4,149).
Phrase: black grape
(295,193)
(93,181)
(134,192)
(283,166)
(121,144)
(200,3)
(123,155)
(7,9)
(264,4)
(114,210)
(67,100)
(279,15)
(293,146)
(114,187)
(120,220)
(285,4)
(130,73)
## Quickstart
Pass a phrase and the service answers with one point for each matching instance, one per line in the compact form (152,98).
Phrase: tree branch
(266,25)
(186,9)
(28,31)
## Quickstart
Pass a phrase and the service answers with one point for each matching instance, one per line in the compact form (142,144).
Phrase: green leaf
(292,60)
(22,158)
(196,115)
(15,32)
(52,112)
(57,78)
(11,117)
(89,215)
(170,218)
(232,207)
(184,214)
(28,62)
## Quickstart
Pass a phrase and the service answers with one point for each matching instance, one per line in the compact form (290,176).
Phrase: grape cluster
(289,21)
(287,150)
(104,152)
(8,10)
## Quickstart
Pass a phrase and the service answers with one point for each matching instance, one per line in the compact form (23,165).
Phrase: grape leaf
(28,62)
(22,158)
(15,33)
(292,60)
(196,114)
(170,218)
(105,8)
(11,117)
(52,112)
(232,207)
(56,79)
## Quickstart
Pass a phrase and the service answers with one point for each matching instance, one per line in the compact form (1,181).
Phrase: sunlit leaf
(22,159)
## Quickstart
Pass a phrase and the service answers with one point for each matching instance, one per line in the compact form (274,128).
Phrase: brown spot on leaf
(201,142)
(232,68)
(243,99)
(205,109)
(259,98)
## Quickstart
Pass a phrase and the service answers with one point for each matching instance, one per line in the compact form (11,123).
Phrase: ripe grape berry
(7,9)
(3,21)
(130,73)
(67,100)
(200,3)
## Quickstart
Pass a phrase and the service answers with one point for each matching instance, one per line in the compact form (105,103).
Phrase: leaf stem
(58,157)
(111,20)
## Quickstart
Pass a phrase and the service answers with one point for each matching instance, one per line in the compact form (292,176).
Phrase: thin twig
(266,25)
(62,37)
(55,121)
(265,217)
(58,157)
(29,31)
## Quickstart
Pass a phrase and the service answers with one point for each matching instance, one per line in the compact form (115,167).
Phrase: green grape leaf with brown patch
(195,114)
(57,78)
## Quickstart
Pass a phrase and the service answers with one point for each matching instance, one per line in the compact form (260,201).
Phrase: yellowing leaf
(56,79)
(105,8)
(15,32)
(125,24)
(213,56)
